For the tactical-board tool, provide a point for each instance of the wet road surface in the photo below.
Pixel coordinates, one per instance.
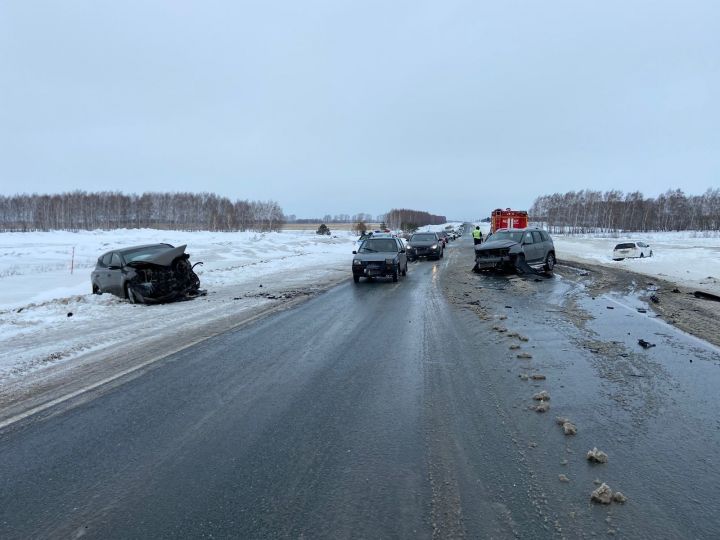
(389, 410)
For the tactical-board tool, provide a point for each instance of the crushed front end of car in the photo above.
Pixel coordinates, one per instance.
(167, 277)
(501, 255)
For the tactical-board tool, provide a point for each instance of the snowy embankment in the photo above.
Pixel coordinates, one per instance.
(48, 315)
(687, 258)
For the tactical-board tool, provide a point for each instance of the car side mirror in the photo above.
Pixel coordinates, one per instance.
(354, 252)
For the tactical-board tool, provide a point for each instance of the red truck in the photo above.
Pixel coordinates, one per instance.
(508, 219)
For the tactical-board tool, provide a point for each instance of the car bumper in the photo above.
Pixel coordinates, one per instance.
(426, 252)
(487, 263)
(374, 271)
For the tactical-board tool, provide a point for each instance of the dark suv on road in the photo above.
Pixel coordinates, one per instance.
(380, 257)
(426, 244)
(516, 249)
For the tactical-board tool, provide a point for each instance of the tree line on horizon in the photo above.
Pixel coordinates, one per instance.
(588, 211)
(80, 210)
(409, 220)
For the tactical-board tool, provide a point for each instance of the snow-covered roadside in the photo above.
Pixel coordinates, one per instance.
(38, 293)
(687, 258)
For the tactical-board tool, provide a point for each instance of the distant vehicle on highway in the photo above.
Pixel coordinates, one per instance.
(444, 237)
(147, 274)
(380, 257)
(516, 249)
(628, 250)
(425, 244)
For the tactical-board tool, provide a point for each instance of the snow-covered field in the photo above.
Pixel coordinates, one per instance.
(38, 290)
(687, 258)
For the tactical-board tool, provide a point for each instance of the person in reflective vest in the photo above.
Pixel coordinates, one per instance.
(477, 235)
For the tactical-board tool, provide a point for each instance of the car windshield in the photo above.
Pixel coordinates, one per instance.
(507, 235)
(378, 245)
(422, 238)
(625, 246)
(143, 254)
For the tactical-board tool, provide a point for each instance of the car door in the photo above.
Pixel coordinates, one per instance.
(115, 283)
(540, 246)
(529, 247)
(402, 255)
(101, 274)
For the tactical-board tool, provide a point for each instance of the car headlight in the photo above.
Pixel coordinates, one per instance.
(357, 262)
(434, 246)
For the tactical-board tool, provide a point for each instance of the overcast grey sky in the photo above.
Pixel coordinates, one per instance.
(455, 107)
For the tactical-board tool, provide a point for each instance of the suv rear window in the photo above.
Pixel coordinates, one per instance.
(625, 246)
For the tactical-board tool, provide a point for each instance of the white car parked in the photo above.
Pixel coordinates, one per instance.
(628, 250)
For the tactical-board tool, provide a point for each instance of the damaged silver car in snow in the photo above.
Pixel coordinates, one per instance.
(149, 274)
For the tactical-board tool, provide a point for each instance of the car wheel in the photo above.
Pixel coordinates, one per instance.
(651, 252)
(395, 275)
(642, 255)
(520, 263)
(356, 279)
(442, 254)
(550, 263)
(404, 272)
(96, 289)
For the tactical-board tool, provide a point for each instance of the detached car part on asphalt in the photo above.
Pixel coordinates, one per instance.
(380, 257)
(522, 250)
(150, 274)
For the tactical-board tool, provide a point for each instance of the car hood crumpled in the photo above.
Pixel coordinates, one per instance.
(496, 244)
(164, 258)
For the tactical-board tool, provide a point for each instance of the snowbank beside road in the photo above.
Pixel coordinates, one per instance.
(38, 293)
(35, 267)
(687, 258)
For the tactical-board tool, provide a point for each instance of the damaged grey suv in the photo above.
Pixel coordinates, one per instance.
(149, 274)
(521, 250)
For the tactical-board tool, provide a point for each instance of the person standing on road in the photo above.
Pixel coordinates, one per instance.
(477, 235)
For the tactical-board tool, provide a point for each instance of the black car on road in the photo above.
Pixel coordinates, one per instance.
(147, 274)
(425, 244)
(380, 257)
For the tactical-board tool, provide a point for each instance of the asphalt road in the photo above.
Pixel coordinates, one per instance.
(383, 410)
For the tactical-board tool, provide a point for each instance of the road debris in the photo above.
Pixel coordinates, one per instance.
(597, 456)
(706, 296)
(524, 356)
(618, 497)
(542, 407)
(541, 396)
(642, 310)
(514, 347)
(602, 495)
(645, 344)
(537, 377)
(563, 478)
(654, 299)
